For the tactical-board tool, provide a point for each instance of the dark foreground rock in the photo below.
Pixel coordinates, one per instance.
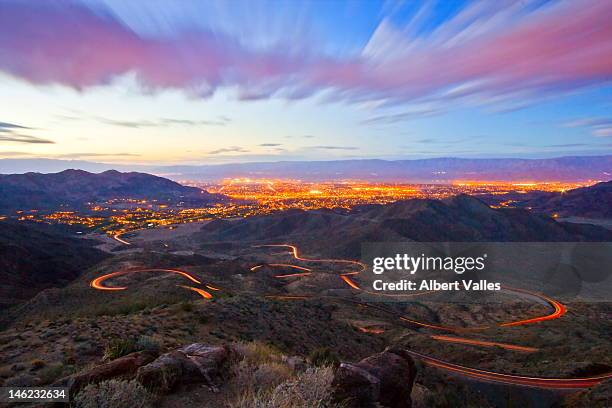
(385, 378)
(125, 366)
(195, 363)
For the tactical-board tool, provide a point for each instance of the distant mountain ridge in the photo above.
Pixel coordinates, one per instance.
(439, 170)
(77, 187)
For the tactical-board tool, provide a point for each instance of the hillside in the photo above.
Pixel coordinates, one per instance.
(460, 218)
(36, 256)
(74, 188)
(588, 202)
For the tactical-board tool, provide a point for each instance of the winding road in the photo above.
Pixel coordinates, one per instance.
(204, 290)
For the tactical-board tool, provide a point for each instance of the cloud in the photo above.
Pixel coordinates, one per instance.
(334, 147)
(400, 117)
(163, 122)
(568, 145)
(6, 127)
(270, 144)
(489, 52)
(77, 155)
(300, 137)
(601, 127)
(17, 138)
(232, 149)
(14, 154)
(9, 133)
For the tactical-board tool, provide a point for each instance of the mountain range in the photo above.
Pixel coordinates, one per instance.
(74, 188)
(457, 219)
(438, 170)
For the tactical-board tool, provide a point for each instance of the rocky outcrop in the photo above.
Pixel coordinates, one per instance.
(195, 363)
(385, 379)
(122, 366)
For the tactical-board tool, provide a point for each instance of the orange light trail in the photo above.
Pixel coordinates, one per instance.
(199, 291)
(349, 282)
(462, 340)
(97, 283)
(292, 275)
(295, 253)
(370, 330)
(539, 382)
(560, 309)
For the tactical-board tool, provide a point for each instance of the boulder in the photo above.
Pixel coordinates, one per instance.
(122, 366)
(195, 363)
(383, 379)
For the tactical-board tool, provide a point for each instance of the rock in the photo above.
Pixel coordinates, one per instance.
(122, 366)
(385, 379)
(195, 363)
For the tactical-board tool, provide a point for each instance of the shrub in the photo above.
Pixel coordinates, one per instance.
(148, 343)
(324, 357)
(309, 390)
(52, 372)
(114, 394)
(37, 364)
(119, 347)
(249, 378)
(187, 307)
(256, 353)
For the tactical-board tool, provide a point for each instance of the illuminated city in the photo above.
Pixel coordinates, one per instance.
(252, 197)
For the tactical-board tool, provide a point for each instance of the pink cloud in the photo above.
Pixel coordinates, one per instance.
(559, 49)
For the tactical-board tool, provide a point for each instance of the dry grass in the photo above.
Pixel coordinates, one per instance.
(114, 394)
(256, 353)
(305, 390)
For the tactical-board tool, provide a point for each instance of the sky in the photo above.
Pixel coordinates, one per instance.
(205, 82)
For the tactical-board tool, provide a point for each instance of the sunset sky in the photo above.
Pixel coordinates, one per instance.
(227, 81)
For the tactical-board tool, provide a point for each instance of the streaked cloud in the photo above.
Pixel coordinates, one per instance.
(488, 53)
(327, 147)
(232, 149)
(10, 132)
(163, 122)
(85, 155)
(598, 126)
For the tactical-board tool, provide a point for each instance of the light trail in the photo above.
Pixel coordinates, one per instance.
(349, 282)
(370, 330)
(117, 237)
(560, 309)
(538, 382)
(344, 276)
(295, 253)
(98, 283)
(199, 291)
(473, 342)
(292, 275)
